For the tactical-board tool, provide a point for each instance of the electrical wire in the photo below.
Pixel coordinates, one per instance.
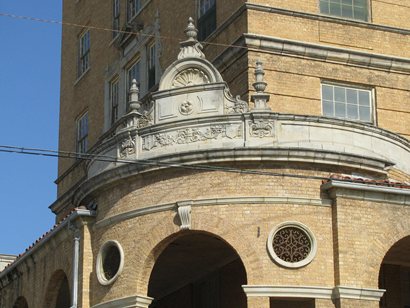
(149, 162)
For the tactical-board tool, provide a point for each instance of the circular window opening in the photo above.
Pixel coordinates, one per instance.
(291, 244)
(110, 261)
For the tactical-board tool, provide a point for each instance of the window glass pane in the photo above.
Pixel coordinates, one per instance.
(328, 109)
(351, 96)
(360, 13)
(347, 11)
(364, 98)
(133, 73)
(334, 9)
(327, 92)
(340, 94)
(349, 2)
(352, 112)
(364, 114)
(324, 7)
(340, 110)
(361, 3)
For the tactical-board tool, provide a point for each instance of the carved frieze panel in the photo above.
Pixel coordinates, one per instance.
(261, 128)
(192, 135)
(127, 147)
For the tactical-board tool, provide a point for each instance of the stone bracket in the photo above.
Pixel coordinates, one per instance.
(184, 213)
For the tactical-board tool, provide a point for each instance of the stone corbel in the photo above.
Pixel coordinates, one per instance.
(184, 213)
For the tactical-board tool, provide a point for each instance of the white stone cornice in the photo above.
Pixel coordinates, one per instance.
(314, 292)
(136, 301)
(358, 293)
(288, 291)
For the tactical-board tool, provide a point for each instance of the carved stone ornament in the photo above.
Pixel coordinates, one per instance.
(186, 108)
(190, 77)
(261, 128)
(234, 105)
(127, 147)
(184, 213)
(191, 48)
(145, 120)
(191, 135)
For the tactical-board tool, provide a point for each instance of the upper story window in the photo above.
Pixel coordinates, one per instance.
(151, 58)
(346, 102)
(114, 99)
(133, 8)
(84, 52)
(82, 133)
(207, 18)
(115, 17)
(353, 9)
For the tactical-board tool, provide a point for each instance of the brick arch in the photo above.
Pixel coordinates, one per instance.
(20, 302)
(206, 224)
(57, 280)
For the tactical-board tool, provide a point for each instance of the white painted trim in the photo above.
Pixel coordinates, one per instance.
(297, 225)
(313, 292)
(99, 263)
(136, 301)
(211, 202)
(358, 293)
(288, 291)
(366, 187)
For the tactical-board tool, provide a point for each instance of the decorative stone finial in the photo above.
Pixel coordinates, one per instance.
(260, 99)
(191, 48)
(134, 102)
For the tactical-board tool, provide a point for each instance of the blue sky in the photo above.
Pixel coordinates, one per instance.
(29, 100)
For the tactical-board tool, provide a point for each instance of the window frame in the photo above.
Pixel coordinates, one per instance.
(114, 97)
(206, 19)
(367, 10)
(116, 15)
(151, 64)
(82, 131)
(133, 8)
(354, 87)
(84, 52)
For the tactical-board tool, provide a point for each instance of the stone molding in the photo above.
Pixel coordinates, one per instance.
(368, 192)
(136, 301)
(209, 202)
(337, 292)
(358, 293)
(325, 53)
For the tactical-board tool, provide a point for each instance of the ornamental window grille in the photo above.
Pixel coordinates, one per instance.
(84, 52)
(207, 18)
(347, 102)
(352, 9)
(115, 17)
(291, 244)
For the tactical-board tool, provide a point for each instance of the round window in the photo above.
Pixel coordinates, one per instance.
(110, 261)
(291, 244)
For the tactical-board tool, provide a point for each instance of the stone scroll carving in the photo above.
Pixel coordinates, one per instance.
(192, 135)
(127, 147)
(261, 128)
(190, 77)
(184, 213)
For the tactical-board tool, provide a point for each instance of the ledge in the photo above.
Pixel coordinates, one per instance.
(137, 301)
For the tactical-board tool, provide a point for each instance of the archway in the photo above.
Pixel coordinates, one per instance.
(394, 275)
(198, 270)
(20, 303)
(58, 291)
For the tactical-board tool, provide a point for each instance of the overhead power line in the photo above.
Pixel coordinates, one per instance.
(148, 162)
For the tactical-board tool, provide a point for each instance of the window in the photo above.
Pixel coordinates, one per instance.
(82, 133)
(207, 18)
(133, 8)
(151, 56)
(133, 72)
(347, 102)
(353, 9)
(84, 53)
(115, 17)
(114, 98)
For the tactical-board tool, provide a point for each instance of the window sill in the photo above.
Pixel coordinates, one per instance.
(81, 76)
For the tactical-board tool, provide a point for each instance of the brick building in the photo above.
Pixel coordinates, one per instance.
(293, 191)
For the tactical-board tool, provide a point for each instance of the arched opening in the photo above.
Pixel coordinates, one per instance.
(198, 270)
(58, 291)
(394, 275)
(20, 303)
